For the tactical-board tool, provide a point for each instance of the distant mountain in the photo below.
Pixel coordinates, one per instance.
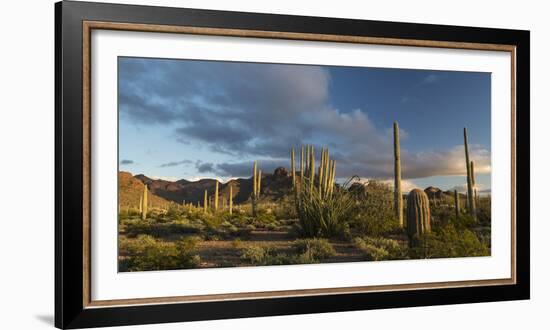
(273, 187)
(131, 190)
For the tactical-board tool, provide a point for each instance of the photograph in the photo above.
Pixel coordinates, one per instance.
(237, 164)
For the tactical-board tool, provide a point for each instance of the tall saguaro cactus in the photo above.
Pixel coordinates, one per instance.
(457, 205)
(418, 213)
(216, 196)
(311, 167)
(144, 203)
(256, 185)
(469, 180)
(302, 165)
(398, 196)
(205, 203)
(293, 165)
(230, 199)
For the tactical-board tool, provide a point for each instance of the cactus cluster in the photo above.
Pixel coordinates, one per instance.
(323, 176)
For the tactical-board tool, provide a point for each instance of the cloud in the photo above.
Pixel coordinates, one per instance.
(258, 111)
(429, 79)
(126, 162)
(204, 167)
(176, 163)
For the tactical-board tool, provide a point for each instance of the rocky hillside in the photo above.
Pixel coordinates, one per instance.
(131, 189)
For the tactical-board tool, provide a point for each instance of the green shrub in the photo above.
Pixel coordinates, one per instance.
(447, 242)
(323, 216)
(316, 248)
(374, 214)
(378, 248)
(265, 218)
(145, 253)
(160, 229)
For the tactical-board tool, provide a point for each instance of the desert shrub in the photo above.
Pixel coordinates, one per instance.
(271, 226)
(484, 211)
(314, 249)
(304, 252)
(448, 241)
(323, 216)
(375, 215)
(265, 218)
(378, 248)
(160, 229)
(146, 253)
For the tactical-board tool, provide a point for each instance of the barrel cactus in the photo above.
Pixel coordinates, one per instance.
(418, 213)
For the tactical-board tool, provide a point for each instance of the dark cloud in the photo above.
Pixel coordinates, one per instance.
(126, 162)
(172, 164)
(205, 167)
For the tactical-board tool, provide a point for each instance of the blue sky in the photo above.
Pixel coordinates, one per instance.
(193, 119)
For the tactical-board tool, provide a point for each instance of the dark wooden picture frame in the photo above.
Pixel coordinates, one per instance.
(73, 24)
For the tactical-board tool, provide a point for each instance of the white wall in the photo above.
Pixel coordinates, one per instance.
(26, 165)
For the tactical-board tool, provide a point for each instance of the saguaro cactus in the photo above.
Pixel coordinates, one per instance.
(140, 203)
(256, 185)
(293, 166)
(457, 205)
(418, 213)
(302, 165)
(398, 196)
(311, 167)
(205, 203)
(144, 203)
(216, 195)
(230, 199)
(469, 180)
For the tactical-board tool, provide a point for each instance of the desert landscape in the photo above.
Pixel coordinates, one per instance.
(298, 214)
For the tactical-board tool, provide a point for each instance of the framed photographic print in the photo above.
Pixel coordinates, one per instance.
(215, 164)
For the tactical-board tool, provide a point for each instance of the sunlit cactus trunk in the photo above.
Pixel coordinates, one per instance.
(311, 167)
(256, 185)
(293, 166)
(418, 213)
(469, 179)
(398, 196)
(302, 165)
(230, 199)
(140, 203)
(205, 203)
(216, 192)
(144, 203)
(457, 205)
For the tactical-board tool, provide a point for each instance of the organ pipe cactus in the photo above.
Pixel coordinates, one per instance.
(418, 213)
(144, 203)
(469, 180)
(398, 196)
